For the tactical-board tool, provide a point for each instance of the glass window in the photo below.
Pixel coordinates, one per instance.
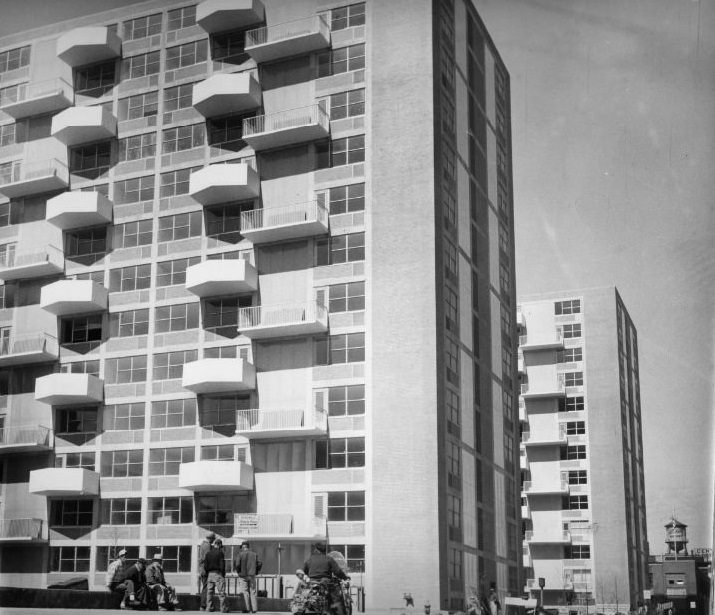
(227, 133)
(122, 464)
(340, 453)
(86, 242)
(170, 273)
(124, 417)
(578, 477)
(221, 411)
(571, 306)
(71, 513)
(135, 277)
(141, 105)
(81, 329)
(340, 249)
(341, 60)
(183, 138)
(220, 313)
(347, 16)
(346, 348)
(7, 132)
(224, 221)
(347, 104)
(106, 555)
(84, 460)
(137, 147)
(573, 452)
(345, 199)
(346, 400)
(180, 226)
(121, 511)
(574, 404)
(175, 183)
(74, 420)
(575, 428)
(141, 27)
(173, 413)
(129, 323)
(95, 80)
(182, 18)
(354, 556)
(348, 297)
(570, 355)
(218, 509)
(219, 452)
(132, 234)
(81, 367)
(140, 66)
(125, 369)
(179, 317)
(14, 59)
(134, 190)
(170, 511)
(577, 502)
(186, 54)
(573, 379)
(346, 506)
(93, 158)
(347, 150)
(170, 365)
(166, 461)
(69, 559)
(577, 551)
(174, 559)
(228, 47)
(178, 97)
(572, 330)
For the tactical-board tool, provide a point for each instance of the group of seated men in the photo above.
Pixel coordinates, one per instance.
(141, 585)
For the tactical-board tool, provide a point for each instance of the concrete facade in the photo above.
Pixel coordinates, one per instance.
(351, 378)
(583, 500)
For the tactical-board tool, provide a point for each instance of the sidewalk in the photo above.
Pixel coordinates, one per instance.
(17, 611)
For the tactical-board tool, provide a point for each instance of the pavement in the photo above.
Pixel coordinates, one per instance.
(5, 610)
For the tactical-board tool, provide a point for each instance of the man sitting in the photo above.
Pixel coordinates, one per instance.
(163, 593)
(134, 585)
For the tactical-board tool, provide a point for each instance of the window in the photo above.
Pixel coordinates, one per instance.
(451, 310)
(134, 190)
(174, 559)
(176, 317)
(347, 104)
(186, 55)
(169, 511)
(577, 451)
(173, 413)
(7, 132)
(178, 97)
(223, 313)
(14, 59)
(142, 27)
(340, 453)
(141, 105)
(72, 420)
(125, 369)
(81, 367)
(572, 306)
(341, 60)
(575, 428)
(183, 138)
(7, 295)
(354, 556)
(166, 461)
(571, 404)
(347, 297)
(577, 552)
(175, 183)
(122, 464)
(347, 16)
(570, 355)
(346, 506)
(170, 365)
(228, 47)
(106, 555)
(141, 65)
(124, 417)
(86, 242)
(227, 133)
(346, 400)
(95, 80)
(340, 249)
(134, 277)
(578, 477)
(219, 452)
(346, 199)
(454, 460)
(91, 160)
(346, 348)
(137, 147)
(132, 234)
(169, 273)
(180, 226)
(81, 330)
(455, 563)
(76, 460)
(221, 411)
(182, 18)
(454, 511)
(217, 509)
(572, 330)
(129, 323)
(450, 261)
(121, 511)
(71, 513)
(69, 559)
(347, 150)
(573, 379)
(224, 221)
(451, 358)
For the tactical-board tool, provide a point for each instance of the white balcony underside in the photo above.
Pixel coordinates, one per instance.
(71, 210)
(297, 230)
(200, 476)
(47, 101)
(224, 15)
(214, 278)
(223, 94)
(28, 349)
(66, 297)
(285, 137)
(58, 482)
(219, 376)
(78, 125)
(298, 43)
(88, 45)
(66, 389)
(222, 183)
(47, 181)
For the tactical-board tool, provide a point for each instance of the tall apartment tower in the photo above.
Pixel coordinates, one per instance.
(583, 498)
(258, 279)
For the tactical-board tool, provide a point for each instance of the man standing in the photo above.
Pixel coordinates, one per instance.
(164, 594)
(204, 548)
(135, 588)
(247, 565)
(322, 567)
(115, 574)
(215, 565)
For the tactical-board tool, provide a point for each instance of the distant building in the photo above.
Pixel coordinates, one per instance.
(583, 501)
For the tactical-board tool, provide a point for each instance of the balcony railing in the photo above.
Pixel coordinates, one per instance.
(48, 174)
(286, 127)
(290, 221)
(31, 344)
(25, 435)
(286, 39)
(28, 99)
(528, 487)
(563, 536)
(539, 341)
(20, 529)
(17, 264)
(288, 319)
(547, 388)
(262, 524)
(274, 422)
(527, 437)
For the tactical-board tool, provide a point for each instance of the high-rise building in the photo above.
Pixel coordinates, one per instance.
(583, 499)
(258, 279)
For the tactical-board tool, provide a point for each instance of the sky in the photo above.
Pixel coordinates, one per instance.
(613, 128)
(613, 134)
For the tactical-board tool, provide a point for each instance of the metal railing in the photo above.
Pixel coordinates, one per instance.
(28, 91)
(11, 259)
(259, 420)
(264, 524)
(25, 434)
(24, 344)
(280, 315)
(24, 171)
(557, 339)
(283, 216)
(562, 536)
(560, 385)
(527, 437)
(21, 528)
(528, 487)
(288, 29)
(285, 120)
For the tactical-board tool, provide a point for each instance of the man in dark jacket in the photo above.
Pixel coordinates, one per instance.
(204, 548)
(135, 588)
(163, 593)
(215, 565)
(247, 565)
(321, 567)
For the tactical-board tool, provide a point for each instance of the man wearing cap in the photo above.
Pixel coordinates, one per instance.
(115, 573)
(204, 548)
(163, 593)
(247, 565)
(135, 592)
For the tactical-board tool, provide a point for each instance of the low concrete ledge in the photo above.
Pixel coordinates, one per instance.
(23, 597)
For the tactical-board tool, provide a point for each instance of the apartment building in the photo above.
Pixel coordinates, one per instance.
(583, 500)
(257, 265)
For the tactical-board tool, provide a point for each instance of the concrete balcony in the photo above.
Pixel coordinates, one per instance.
(66, 297)
(65, 389)
(525, 511)
(286, 127)
(557, 538)
(71, 210)
(520, 321)
(201, 476)
(522, 410)
(270, 321)
(544, 388)
(258, 423)
(281, 223)
(25, 439)
(40, 98)
(28, 349)
(545, 439)
(551, 341)
(558, 488)
(222, 183)
(222, 94)
(288, 39)
(19, 265)
(223, 15)
(28, 178)
(215, 278)
(78, 125)
(60, 482)
(88, 45)
(219, 376)
(19, 531)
